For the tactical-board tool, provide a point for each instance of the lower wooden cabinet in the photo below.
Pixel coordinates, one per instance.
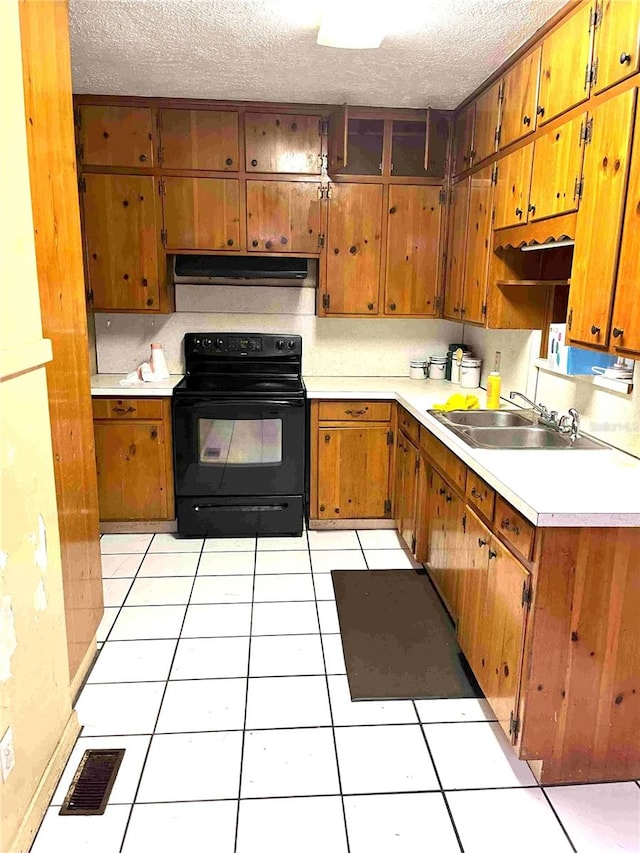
(134, 459)
(406, 483)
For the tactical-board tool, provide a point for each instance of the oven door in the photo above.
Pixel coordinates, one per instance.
(238, 447)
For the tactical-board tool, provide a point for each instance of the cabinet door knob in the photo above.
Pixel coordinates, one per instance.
(442, 491)
(492, 554)
(142, 158)
(540, 111)
(519, 212)
(618, 333)
(476, 494)
(353, 250)
(284, 241)
(255, 243)
(526, 120)
(532, 209)
(595, 330)
(625, 58)
(392, 306)
(482, 542)
(392, 210)
(254, 162)
(370, 306)
(448, 499)
(229, 242)
(229, 161)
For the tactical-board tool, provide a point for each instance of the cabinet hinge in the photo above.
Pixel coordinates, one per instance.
(589, 75)
(328, 192)
(493, 215)
(77, 117)
(390, 437)
(501, 91)
(387, 507)
(321, 241)
(526, 594)
(163, 237)
(160, 154)
(570, 319)
(577, 189)
(413, 543)
(90, 297)
(82, 184)
(498, 134)
(484, 309)
(161, 187)
(595, 16)
(438, 300)
(326, 299)
(443, 196)
(79, 152)
(494, 174)
(321, 191)
(417, 465)
(464, 523)
(514, 725)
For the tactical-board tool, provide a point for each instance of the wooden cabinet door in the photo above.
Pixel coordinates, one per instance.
(478, 247)
(413, 250)
(557, 168)
(284, 216)
(353, 471)
(421, 551)
(472, 629)
(625, 327)
(595, 255)
(201, 213)
(511, 197)
(199, 139)
(406, 513)
(437, 518)
(283, 143)
(353, 248)
(565, 66)
(519, 100)
(463, 139)
(485, 134)
(115, 136)
(454, 542)
(508, 584)
(133, 480)
(616, 42)
(458, 215)
(121, 240)
(337, 140)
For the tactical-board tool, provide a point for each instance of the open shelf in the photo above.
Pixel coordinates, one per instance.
(616, 386)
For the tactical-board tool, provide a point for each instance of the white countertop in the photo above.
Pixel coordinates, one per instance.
(552, 488)
(108, 385)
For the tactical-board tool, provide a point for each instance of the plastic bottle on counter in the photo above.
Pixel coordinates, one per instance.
(493, 385)
(158, 362)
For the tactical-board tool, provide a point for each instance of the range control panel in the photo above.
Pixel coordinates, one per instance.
(238, 345)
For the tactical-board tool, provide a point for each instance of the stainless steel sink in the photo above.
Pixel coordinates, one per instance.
(507, 430)
(486, 418)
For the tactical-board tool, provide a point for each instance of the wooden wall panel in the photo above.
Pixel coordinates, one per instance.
(49, 113)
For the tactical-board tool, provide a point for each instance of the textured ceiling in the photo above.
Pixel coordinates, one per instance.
(437, 51)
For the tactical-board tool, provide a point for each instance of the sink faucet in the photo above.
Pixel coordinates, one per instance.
(570, 424)
(545, 416)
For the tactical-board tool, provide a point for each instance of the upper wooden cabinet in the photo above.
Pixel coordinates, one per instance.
(566, 66)
(284, 216)
(463, 139)
(201, 213)
(487, 118)
(625, 326)
(353, 249)
(413, 253)
(115, 136)
(279, 142)
(511, 197)
(199, 139)
(477, 247)
(519, 99)
(121, 242)
(557, 169)
(456, 250)
(616, 42)
(606, 165)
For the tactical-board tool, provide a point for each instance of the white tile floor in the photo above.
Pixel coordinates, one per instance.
(222, 676)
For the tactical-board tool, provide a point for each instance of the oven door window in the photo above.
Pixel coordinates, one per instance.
(235, 443)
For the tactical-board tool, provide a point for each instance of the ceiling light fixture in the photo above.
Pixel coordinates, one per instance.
(352, 24)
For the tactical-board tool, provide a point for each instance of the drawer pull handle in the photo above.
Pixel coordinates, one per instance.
(505, 524)
(356, 412)
(120, 410)
(442, 491)
(476, 494)
(492, 554)
(448, 499)
(526, 120)
(482, 542)
(327, 438)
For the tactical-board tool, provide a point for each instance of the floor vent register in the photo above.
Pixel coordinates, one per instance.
(91, 787)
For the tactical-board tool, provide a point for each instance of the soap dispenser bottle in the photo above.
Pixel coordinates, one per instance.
(493, 385)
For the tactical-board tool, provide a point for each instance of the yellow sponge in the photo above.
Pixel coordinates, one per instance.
(458, 401)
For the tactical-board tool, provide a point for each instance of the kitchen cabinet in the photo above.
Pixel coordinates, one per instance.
(606, 166)
(616, 42)
(351, 460)
(456, 250)
(121, 242)
(199, 139)
(201, 213)
(353, 249)
(557, 169)
(625, 325)
(413, 250)
(116, 136)
(407, 466)
(565, 69)
(419, 148)
(446, 539)
(511, 198)
(519, 100)
(477, 247)
(284, 216)
(463, 139)
(279, 142)
(487, 119)
(134, 458)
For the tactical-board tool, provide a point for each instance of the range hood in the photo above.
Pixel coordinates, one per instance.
(244, 270)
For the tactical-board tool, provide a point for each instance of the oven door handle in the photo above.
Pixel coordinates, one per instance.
(238, 401)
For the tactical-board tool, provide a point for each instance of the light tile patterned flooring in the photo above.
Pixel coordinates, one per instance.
(222, 675)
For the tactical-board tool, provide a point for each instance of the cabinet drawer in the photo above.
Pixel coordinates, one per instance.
(514, 527)
(444, 459)
(479, 495)
(354, 410)
(409, 425)
(109, 408)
